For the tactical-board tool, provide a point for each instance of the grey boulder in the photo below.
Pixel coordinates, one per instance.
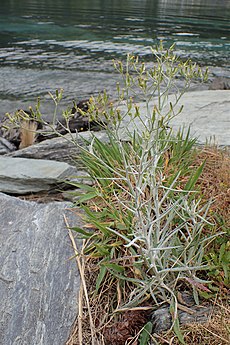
(207, 113)
(39, 281)
(21, 176)
(65, 148)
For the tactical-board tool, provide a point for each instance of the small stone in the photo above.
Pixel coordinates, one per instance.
(6, 146)
(162, 319)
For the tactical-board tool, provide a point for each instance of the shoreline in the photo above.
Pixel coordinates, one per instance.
(77, 85)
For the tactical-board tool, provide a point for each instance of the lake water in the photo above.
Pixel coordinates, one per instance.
(49, 44)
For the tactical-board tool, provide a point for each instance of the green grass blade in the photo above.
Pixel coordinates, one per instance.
(176, 324)
(87, 197)
(145, 333)
(114, 267)
(82, 232)
(193, 179)
(100, 277)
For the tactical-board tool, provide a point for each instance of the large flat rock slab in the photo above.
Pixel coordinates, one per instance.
(206, 112)
(21, 176)
(65, 148)
(39, 282)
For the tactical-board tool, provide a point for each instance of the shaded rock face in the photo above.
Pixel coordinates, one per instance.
(220, 83)
(38, 281)
(6, 146)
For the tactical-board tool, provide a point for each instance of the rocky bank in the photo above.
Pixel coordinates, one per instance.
(38, 280)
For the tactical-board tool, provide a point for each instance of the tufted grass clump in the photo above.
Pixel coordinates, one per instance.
(147, 218)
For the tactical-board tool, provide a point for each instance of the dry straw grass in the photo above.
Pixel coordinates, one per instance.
(215, 180)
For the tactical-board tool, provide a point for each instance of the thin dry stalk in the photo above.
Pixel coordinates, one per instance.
(80, 314)
(81, 267)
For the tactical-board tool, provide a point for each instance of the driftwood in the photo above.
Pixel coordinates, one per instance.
(22, 133)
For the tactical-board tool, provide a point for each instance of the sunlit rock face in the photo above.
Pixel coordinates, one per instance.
(38, 281)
